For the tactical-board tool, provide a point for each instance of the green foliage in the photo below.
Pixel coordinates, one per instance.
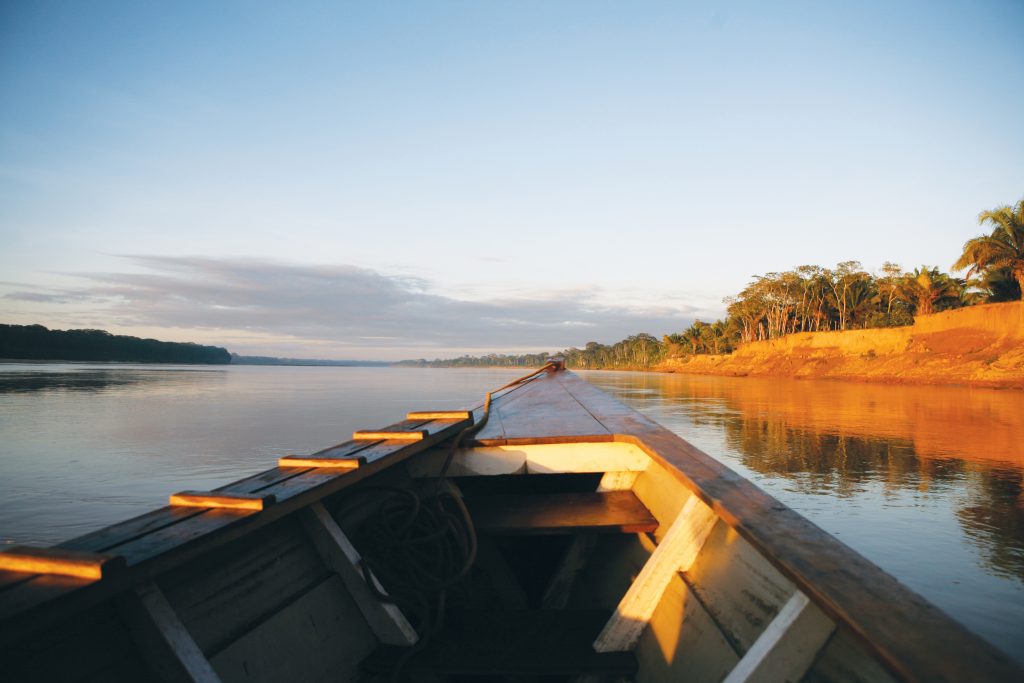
(35, 342)
(1001, 251)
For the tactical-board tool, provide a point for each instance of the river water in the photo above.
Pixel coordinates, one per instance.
(924, 481)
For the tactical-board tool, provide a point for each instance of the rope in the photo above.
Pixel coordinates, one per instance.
(422, 547)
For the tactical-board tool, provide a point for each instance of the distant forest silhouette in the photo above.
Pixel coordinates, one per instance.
(35, 342)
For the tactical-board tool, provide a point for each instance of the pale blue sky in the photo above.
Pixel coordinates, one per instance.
(405, 179)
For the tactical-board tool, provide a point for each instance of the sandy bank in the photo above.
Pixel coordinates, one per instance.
(979, 346)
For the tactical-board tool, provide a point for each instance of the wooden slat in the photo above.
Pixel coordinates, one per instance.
(185, 534)
(786, 649)
(221, 594)
(169, 647)
(384, 618)
(512, 643)
(219, 500)
(312, 461)
(60, 561)
(440, 415)
(369, 435)
(319, 637)
(741, 589)
(112, 536)
(676, 553)
(608, 512)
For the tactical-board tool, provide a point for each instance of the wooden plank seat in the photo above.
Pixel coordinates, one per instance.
(560, 513)
(511, 643)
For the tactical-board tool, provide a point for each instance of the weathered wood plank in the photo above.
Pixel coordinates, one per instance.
(41, 588)
(440, 415)
(110, 537)
(220, 595)
(844, 660)
(739, 588)
(370, 435)
(221, 500)
(319, 637)
(676, 553)
(786, 649)
(184, 533)
(549, 412)
(172, 654)
(609, 512)
(384, 618)
(309, 461)
(682, 643)
(60, 561)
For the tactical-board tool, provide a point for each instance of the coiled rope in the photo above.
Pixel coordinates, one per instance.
(422, 546)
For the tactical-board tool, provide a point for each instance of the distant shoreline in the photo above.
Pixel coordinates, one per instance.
(981, 346)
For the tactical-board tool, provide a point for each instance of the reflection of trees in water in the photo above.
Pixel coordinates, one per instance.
(905, 438)
(81, 380)
(994, 519)
(836, 462)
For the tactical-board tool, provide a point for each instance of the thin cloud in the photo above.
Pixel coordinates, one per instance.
(349, 305)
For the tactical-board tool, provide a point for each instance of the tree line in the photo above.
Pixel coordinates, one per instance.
(35, 342)
(813, 298)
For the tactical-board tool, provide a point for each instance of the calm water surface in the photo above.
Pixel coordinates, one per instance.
(925, 481)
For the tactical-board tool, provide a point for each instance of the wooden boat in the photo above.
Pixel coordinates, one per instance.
(553, 533)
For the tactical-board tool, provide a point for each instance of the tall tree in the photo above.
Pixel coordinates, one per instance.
(1001, 250)
(929, 290)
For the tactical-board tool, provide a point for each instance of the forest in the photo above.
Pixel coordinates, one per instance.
(35, 342)
(812, 298)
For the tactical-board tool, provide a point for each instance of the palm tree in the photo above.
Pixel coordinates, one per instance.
(926, 289)
(1003, 249)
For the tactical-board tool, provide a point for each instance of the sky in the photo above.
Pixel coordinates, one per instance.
(389, 180)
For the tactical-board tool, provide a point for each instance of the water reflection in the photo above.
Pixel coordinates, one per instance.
(928, 482)
(24, 378)
(836, 437)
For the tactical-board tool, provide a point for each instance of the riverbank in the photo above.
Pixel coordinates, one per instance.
(977, 346)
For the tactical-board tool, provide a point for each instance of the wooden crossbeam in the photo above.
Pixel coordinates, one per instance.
(787, 648)
(384, 618)
(676, 552)
(440, 415)
(560, 513)
(164, 641)
(83, 565)
(352, 463)
(369, 435)
(219, 499)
